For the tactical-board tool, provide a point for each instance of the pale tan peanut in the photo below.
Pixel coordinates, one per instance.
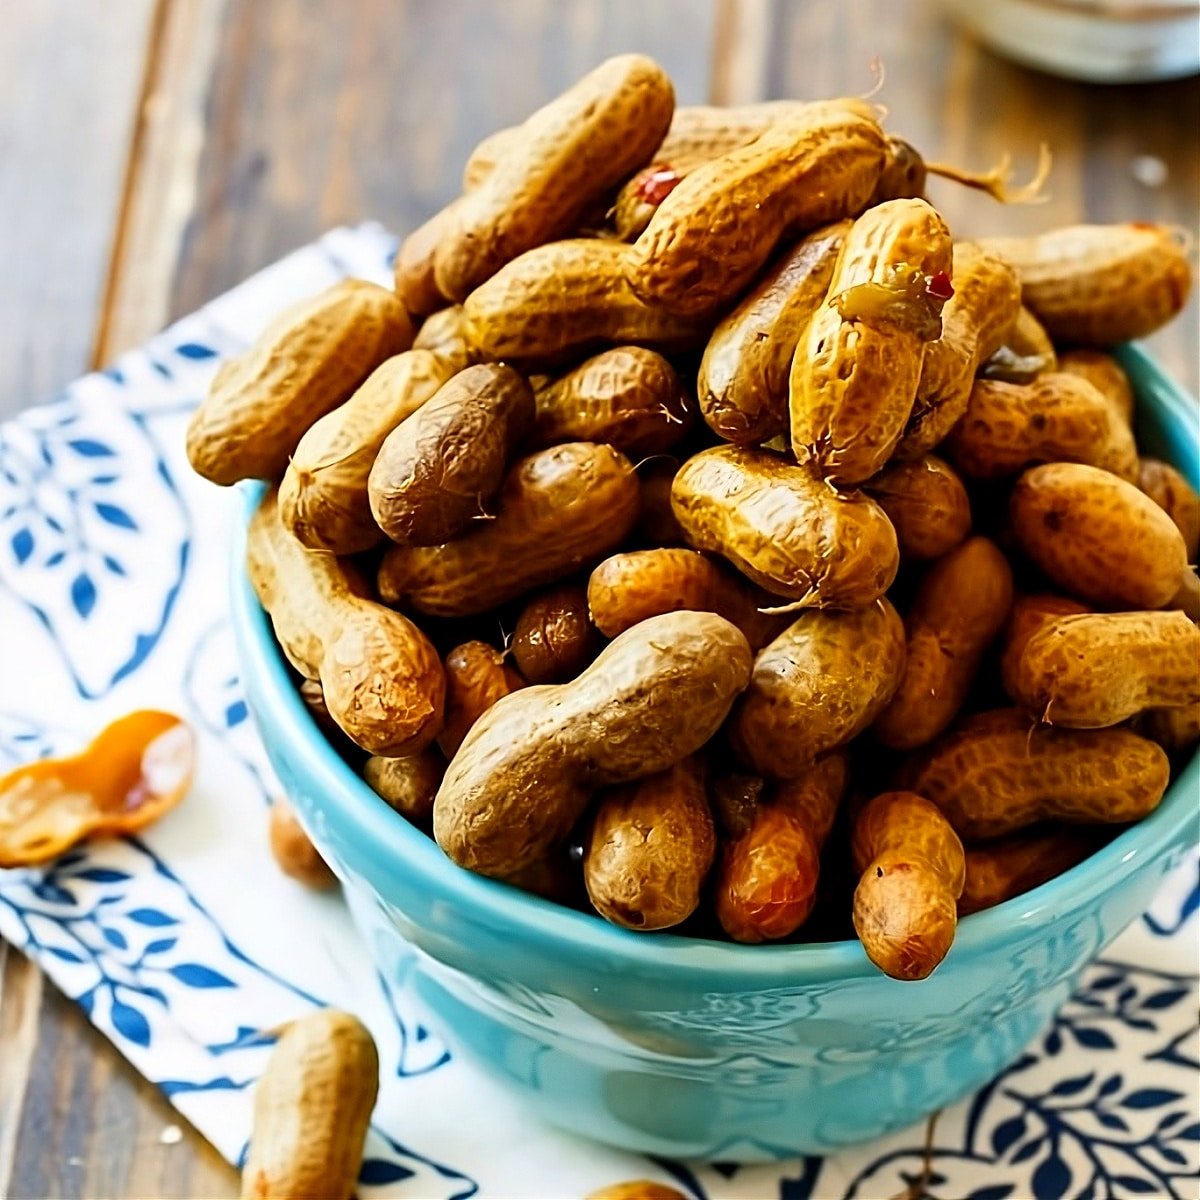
(554, 638)
(1168, 488)
(743, 382)
(999, 772)
(657, 525)
(960, 607)
(568, 297)
(440, 468)
(697, 134)
(1029, 613)
(714, 231)
(1097, 285)
(649, 848)
(637, 1189)
(1091, 670)
(629, 587)
(526, 772)
(557, 510)
(1105, 374)
(416, 284)
(476, 677)
(407, 784)
(309, 360)
(312, 1107)
(856, 371)
(381, 678)
(817, 686)
(292, 849)
(767, 882)
(323, 497)
(569, 153)
(628, 397)
(975, 319)
(444, 334)
(1174, 729)
(926, 503)
(696, 137)
(1055, 418)
(911, 868)
(998, 871)
(1025, 353)
(1097, 536)
(785, 529)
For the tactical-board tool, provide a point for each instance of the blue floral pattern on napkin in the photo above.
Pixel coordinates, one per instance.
(188, 950)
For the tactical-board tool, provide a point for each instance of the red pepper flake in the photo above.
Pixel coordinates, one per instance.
(939, 286)
(657, 184)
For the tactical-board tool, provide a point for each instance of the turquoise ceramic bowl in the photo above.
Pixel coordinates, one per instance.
(691, 1048)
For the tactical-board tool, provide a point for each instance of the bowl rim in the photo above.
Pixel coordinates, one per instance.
(364, 819)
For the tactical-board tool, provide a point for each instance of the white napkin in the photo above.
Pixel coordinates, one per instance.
(182, 945)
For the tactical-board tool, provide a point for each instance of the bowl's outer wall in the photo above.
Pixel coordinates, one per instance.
(693, 1048)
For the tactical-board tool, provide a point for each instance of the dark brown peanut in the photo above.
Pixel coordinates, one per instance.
(558, 510)
(439, 469)
(554, 639)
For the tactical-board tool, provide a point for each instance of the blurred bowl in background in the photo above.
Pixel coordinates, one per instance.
(1100, 41)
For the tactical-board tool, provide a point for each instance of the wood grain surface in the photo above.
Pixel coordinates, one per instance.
(254, 125)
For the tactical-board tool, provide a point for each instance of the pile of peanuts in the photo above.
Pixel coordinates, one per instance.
(700, 535)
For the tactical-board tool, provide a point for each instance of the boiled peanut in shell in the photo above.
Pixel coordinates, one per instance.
(526, 771)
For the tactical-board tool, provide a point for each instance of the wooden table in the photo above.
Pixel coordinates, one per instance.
(154, 152)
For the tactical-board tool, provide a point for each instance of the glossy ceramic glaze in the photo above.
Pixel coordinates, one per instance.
(694, 1048)
(1102, 41)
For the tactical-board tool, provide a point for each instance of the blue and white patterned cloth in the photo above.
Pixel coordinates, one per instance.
(182, 946)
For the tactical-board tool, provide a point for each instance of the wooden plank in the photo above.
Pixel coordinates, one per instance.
(316, 119)
(20, 997)
(69, 77)
(161, 176)
(91, 1126)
